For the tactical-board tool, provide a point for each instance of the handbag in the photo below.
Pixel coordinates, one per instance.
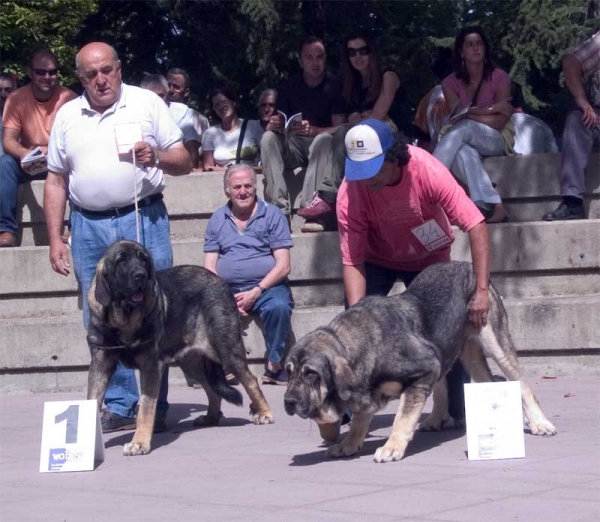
(240, 142)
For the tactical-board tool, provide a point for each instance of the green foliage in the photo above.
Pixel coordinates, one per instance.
(30, 24)
(252, 44)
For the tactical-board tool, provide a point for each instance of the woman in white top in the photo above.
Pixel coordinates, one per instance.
(221, 141)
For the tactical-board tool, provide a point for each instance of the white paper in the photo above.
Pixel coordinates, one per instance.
(494, 420)
(71, 436)
(127, 135)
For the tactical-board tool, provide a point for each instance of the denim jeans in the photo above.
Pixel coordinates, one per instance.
(11, 176)
(462, 149)
(274, 307)
(91, 236)
(379, 282)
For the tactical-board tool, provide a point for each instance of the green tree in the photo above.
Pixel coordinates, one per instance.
(27, 25)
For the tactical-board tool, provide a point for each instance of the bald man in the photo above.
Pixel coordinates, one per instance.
(83, 157)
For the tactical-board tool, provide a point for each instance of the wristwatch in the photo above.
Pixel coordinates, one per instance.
(261, 288)
(156, 158)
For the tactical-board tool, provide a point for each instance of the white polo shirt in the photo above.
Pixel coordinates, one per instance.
(188, 120)
(83, 146)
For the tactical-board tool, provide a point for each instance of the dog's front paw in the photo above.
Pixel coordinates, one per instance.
(263, 417)
(132, 449)
(543, 428)
(388, 453)
(343, 449)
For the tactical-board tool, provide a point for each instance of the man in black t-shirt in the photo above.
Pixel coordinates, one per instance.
(315, 93)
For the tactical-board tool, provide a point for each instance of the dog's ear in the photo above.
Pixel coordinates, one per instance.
(102, 290)
(343, 377)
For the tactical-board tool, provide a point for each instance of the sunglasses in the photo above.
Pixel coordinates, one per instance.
(363, 51)
(44, 72)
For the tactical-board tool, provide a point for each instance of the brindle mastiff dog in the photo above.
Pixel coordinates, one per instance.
(386, 348)
(147, 319)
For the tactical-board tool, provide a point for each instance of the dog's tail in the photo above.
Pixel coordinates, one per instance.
(215, 376)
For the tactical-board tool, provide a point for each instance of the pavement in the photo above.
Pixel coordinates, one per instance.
(238, 471)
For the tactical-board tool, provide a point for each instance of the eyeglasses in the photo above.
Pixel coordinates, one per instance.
(264, 105)
(353, 51)
(44, 72)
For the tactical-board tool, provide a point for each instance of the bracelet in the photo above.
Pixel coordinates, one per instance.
(156, 158)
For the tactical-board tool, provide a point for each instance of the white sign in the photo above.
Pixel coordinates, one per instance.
(431, 235)
(127, 135)
(71, 436)
(494, 420)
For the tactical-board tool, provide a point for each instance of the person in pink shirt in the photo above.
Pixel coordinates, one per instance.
(395, 209)
(479, 86)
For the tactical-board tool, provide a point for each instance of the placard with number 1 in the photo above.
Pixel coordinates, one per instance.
(71, 436)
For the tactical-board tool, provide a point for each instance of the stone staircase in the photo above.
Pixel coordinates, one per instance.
(548, 274)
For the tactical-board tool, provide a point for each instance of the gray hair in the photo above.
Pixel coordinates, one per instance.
(237, 168)
(267, 92)
(150, 81)
(113, 52)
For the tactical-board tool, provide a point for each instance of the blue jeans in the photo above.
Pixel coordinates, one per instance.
(11, 176)
(91, 236)
(379, 282)
(274, 307)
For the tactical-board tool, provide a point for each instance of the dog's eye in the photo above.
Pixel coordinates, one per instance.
(309, 375)
(289, 368)
(122, 256)
(142, 255)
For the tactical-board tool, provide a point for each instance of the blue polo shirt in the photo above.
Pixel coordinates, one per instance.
(246, 257)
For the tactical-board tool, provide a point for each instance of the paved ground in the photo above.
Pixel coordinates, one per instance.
(239, 471)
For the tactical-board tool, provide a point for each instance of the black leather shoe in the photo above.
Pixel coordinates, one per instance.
(564, 213)
(114, 422)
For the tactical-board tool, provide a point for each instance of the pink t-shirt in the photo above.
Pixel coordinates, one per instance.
(405, 226)
(487, 94)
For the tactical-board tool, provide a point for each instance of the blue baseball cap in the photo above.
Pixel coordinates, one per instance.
(366, 145)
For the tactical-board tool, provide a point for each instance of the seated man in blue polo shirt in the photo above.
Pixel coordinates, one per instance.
(247, 243)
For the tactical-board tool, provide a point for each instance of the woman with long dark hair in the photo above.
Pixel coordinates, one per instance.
(368, 92)
(481, 91)
(221, 141)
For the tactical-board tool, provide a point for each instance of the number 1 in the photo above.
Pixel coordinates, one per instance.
(71, 415)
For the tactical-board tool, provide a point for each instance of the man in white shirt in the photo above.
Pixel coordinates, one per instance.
(103, 185)
(182, 114)
(178, 81)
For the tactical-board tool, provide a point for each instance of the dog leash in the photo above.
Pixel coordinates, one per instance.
(137, 215)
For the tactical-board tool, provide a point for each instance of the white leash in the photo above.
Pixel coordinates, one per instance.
(137, 215)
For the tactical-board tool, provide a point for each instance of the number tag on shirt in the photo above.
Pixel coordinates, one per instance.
(431, 235)
(71, 436)
(127, 135)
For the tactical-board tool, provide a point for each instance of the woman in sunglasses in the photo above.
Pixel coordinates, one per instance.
(478, 95)
(232, 140)
(368, 91)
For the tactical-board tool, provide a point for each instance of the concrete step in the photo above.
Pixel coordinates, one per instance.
(331, 293)
(516, 247)
(529, 186)
(537, 325)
